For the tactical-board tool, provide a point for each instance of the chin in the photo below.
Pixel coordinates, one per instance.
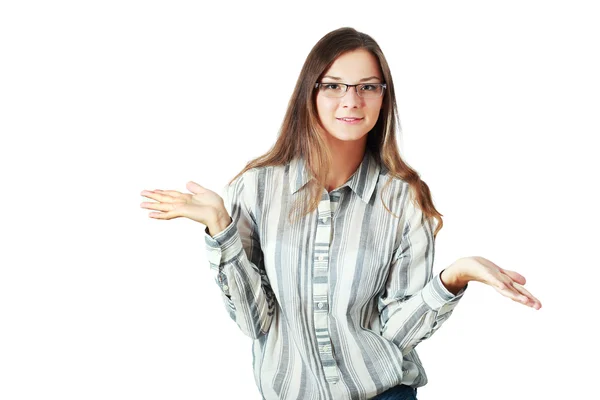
(348, 136)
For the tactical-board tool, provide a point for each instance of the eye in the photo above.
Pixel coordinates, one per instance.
(368, 88)
(331, 86)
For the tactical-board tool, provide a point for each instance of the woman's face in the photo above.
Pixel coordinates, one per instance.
(354, 67)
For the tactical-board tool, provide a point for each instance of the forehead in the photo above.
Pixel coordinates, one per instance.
(355, 65)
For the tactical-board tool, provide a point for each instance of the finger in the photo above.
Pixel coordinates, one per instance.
(158, 206)
(151, 194)
(532, 300)
(505, 287)
(163, 198)
(500, 281)
(512, 294)
(512, 274)
(522, 290)
(163, 215)
(515, 276)
(172, 193)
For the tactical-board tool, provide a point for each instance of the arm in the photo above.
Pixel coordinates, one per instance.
(236, 259)
(415, 304)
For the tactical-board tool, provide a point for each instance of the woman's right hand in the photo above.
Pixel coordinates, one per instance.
(203, 205)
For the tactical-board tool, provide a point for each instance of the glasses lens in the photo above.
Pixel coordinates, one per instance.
(370, 90)
(333, 89)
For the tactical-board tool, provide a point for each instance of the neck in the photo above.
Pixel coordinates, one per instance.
(346, 157)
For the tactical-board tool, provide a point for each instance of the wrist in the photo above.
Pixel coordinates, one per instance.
(219, 223)
(453, 279)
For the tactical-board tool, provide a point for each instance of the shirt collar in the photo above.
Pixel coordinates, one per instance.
(362, 182)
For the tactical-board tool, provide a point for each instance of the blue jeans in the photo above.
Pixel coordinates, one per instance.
(400, 392)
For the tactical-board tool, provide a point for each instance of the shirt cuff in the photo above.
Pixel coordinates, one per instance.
(214, 252)
(224, 246)
(435, 294)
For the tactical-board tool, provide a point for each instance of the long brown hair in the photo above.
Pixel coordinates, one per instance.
(299, 135)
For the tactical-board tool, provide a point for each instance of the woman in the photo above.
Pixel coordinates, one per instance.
(323, 247)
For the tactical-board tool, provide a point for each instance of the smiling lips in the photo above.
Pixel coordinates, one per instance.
(350, 120)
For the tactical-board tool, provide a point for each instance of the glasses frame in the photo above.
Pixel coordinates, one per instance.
(348, 86)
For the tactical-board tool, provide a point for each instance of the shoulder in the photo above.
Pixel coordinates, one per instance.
(399, 196)
(391, 186)
(262, 176)
(258, 173)
(256, 181)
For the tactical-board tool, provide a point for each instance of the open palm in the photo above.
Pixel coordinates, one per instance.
(201, 205)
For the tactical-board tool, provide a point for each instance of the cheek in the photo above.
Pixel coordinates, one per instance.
(374, 112)
(325, 107)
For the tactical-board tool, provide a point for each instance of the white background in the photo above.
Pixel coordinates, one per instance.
(499, 105)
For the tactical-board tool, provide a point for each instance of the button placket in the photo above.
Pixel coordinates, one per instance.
(321, 289)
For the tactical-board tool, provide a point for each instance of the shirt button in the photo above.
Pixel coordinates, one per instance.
(225, 287)
(321, 257)
(320, 305)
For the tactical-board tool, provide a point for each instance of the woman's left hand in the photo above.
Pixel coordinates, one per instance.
(506, 282)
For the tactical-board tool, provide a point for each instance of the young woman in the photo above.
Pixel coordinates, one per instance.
(323, 247)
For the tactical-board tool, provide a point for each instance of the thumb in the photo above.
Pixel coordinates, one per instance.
(194, 187)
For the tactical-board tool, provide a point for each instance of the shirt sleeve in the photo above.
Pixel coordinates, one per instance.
(236, 259)
(414, 304)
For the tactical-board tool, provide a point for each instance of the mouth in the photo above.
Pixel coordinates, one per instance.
(350, 120)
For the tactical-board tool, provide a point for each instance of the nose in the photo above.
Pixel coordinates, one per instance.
(351, 99)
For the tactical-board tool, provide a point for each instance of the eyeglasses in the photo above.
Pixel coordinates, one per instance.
(364, 90)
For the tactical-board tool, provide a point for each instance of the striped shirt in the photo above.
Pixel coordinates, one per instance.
(336, 301)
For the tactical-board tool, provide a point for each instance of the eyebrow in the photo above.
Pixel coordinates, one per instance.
(337, 78)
